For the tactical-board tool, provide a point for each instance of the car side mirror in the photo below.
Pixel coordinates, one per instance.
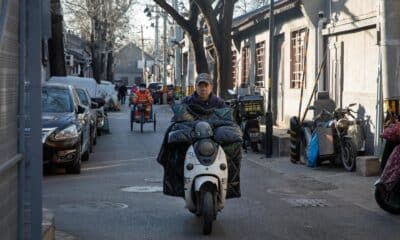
(311, 108)
(100, 101)
(81, 109)
(94, 105)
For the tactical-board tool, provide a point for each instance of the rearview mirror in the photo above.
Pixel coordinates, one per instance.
(100, 101)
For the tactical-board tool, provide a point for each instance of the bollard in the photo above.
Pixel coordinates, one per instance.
(294, 140)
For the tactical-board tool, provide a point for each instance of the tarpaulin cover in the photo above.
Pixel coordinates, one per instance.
(174, 146)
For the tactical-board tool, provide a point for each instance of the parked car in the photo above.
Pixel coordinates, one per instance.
(96, 93)
(85, 100)
(111, 95)
(65, 128)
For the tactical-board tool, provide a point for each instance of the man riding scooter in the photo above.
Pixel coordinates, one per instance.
(201, 153)
(143, 96)
(204, 98)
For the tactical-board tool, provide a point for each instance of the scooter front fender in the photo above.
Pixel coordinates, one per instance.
(200, 181)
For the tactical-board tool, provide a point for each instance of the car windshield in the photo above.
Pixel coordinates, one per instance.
(56, 100)
(83, 97)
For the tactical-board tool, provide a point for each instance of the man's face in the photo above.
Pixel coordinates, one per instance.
(204, 90)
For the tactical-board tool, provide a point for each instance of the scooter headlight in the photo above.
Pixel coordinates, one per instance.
(206, 151)
(206, 148)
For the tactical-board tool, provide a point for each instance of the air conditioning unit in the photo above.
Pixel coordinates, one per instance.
(69, 60)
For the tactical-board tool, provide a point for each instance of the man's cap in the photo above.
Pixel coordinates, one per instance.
(203, 77)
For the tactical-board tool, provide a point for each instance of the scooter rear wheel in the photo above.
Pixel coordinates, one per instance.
(207, 212)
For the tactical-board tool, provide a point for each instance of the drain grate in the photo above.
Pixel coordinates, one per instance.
(307, 203)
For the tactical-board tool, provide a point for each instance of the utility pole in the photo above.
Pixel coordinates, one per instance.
(178, 57)
(145, 80)
(269, 114)
(157, 73)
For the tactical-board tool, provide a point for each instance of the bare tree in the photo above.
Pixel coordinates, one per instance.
(218, 15)
(245, 6)
(193, 27)
(101, 22)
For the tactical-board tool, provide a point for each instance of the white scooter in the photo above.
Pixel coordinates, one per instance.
(206, 176)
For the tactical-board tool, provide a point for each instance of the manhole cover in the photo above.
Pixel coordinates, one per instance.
(307, 202)
(142, 189)
(283, 191)
(153, 180)
(94, 206)
(313, 184)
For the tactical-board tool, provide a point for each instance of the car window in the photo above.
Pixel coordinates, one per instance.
(56, 100)
(83, 97)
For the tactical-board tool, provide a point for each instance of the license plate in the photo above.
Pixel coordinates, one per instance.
(254, 135)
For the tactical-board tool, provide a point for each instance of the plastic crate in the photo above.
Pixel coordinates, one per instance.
(251, 105)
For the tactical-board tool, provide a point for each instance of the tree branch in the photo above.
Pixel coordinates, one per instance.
(211, 18)
(174, 14)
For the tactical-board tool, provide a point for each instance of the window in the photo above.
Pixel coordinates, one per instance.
(245, 65)
(297, 64)
(260, 63)
(234, 67)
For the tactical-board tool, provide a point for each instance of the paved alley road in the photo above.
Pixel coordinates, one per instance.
(93, 205)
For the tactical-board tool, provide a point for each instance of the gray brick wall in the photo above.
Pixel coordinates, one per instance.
(8, 123)
(8, 205)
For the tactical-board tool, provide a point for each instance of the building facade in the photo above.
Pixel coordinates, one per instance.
(340, 38)
(129, 67)
(77, 56)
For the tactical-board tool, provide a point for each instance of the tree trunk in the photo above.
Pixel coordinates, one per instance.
(200, 55)
(56, 44)
(96, 64)
(224, 67)
(110, 70)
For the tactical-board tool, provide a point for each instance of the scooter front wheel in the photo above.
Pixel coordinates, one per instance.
(207, 212)
(386, 200)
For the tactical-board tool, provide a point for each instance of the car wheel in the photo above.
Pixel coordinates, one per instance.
(75, 166)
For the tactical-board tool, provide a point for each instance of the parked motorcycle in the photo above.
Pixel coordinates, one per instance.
(205, 175)
(340, 136)
(248, 111)
(387, 187)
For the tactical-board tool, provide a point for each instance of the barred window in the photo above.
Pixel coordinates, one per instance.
(260, 64)
(234, 67)
(297, 64)
(245, 65)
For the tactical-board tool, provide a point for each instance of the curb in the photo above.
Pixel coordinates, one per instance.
(48, 226)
